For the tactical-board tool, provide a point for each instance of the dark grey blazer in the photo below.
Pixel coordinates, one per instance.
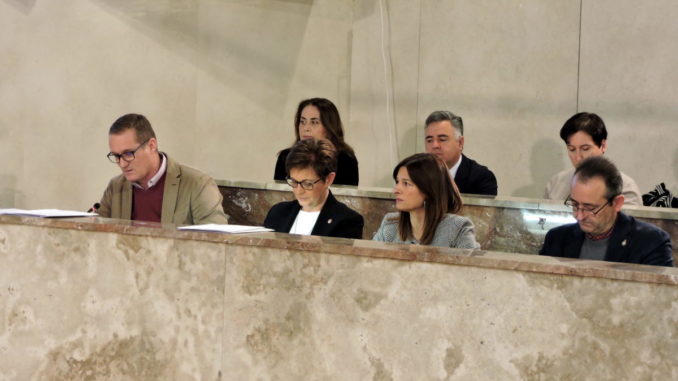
(452, 231)
(632, 241)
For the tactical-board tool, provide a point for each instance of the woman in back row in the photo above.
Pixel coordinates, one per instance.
(318, 118)
(428, 204)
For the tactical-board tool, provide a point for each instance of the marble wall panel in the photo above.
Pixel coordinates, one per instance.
(250, 206)
(297, 315)
(80, 305)
(104, 299)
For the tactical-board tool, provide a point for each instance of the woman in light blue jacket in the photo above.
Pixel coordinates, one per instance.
(428, 204)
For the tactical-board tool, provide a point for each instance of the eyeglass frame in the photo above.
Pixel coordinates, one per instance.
(117, 156)
(294, 183)
(594, 212)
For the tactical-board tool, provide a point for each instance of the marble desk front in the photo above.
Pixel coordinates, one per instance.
(99, 299)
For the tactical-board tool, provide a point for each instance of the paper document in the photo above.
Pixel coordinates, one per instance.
(227, 228)
(46, 213)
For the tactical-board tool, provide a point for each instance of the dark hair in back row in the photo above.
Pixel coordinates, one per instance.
(329, 117)
(311, 153)
(138, 122)
(599, 166)
(429, 173)
(587, 122)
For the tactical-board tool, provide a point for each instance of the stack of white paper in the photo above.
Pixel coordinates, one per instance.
(227, 228)
(46, 213)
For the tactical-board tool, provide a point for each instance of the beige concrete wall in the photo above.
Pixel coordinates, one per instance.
(220, 80)
(510, 70)
(628, 74)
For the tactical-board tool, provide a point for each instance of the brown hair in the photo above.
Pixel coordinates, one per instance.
(311, 153)
(429, 173)
(138, 122)
(598, 166)
(587, 122)
(329, 117)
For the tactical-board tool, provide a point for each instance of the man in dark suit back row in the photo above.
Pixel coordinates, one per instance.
(602, 231)
(444, 133)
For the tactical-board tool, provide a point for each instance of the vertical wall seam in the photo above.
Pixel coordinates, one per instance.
(387, 60)
(416, 113)
(581, 6)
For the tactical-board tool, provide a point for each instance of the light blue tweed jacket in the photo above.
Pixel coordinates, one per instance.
(452, 231)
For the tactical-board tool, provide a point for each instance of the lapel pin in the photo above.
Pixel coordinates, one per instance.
(329, 221)
(624, 243)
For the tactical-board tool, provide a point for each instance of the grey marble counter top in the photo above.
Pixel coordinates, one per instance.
(499, 201)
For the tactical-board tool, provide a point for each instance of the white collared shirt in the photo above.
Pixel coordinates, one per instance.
(455, 168)
(304, 223)
(154, 180)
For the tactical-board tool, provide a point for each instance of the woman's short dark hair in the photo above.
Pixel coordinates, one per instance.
(138, 122)
(599, 166)
(429, 173)
(329, 117)
(319, 155)
(587, 122)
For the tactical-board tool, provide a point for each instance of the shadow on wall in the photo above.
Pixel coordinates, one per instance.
(23, 6)
(380, 169)
(364, 9)
(252, 48)
(406, 147)
(671, 183)
(8, 191)
(544, 153)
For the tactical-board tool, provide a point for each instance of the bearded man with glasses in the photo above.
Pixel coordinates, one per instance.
(152, 186)
(602, 230)
(311, 167)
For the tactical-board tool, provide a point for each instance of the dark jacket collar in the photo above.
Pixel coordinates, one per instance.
(325, 212)
(464, 168)
(616, 246)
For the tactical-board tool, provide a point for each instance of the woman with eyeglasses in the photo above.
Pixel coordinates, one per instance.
(428, 204)
(318, 118)
(311, 168)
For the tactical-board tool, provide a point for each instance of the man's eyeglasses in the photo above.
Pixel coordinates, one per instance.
(305, 184)
(586, 210)
(127, 155)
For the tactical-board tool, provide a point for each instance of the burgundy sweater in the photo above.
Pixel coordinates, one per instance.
(147, 204)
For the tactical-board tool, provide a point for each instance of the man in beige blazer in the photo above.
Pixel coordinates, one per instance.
(152, 186)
